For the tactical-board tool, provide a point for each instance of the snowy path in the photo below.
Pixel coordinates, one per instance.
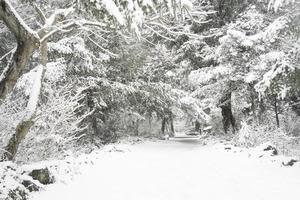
(171, 170)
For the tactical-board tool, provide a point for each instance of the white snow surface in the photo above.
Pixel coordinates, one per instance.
(180, 170)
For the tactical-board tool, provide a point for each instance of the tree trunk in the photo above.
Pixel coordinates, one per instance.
(16, 67)
(253, 97)
(19, 62)
(276, 110)
(197, 126)
(27, 42)
(163, 126)
(228, 118)
(172, 126)
(261, 111)
(26, 123)
(13, 144)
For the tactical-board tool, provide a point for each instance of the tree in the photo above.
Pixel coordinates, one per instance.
(95, 18)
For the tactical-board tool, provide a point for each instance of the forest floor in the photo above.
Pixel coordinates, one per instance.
(179, 169)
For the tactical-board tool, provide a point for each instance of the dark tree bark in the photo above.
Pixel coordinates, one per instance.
(16, 67)
(253, 97)
(197, 126)
(27, 43)
(276, 110)
(167, 121)
(172, 125)
(13, 144)
(228, 118)
(163, 125)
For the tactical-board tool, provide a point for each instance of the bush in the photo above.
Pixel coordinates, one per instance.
(251, 135)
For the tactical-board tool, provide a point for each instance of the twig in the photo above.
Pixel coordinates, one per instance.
(167, 38)
(5, 55)
(103, 49)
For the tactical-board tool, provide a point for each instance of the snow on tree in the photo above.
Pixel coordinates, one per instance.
(277, 4)
(63, 21)
(93, 70)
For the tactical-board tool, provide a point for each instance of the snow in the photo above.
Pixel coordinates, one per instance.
(179, 170)
(277, 4)
(59, 12)
(6, 69)
(20, 20)
(113, 10)
(207, 74)
(35, 90)
(275, 28)
(250, 77)
(191, 105)
(187, 4)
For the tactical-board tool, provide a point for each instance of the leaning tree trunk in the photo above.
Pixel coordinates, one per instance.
(14, 71)
(15, 67)
(27, 42)
(26, 123)
(20, 60)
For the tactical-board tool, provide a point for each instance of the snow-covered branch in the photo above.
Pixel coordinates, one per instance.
(40, 13)
(103, 49)
(7, 54)
(176, 33)
(8, 67)
(15, 22)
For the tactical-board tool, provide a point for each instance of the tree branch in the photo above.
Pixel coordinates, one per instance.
(103, 49)
(72, 24)
(15, 22)
(40, 13)
(5, 55)
(8, 66)
(156, 32)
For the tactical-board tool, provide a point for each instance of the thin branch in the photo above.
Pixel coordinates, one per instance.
(58, 29)
(103, 49)
(148, 41)
(194, 20)
(5, 151)
(96, 34)
(59, 14)
(71, 25)
(40, 13)
(5, 55)
(203, 13)
(158, 17)
(156, 32)
(8, 66)
(182, 33)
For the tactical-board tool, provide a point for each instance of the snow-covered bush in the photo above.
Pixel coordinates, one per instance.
(286, 138)
(251, 135)
(291, 123)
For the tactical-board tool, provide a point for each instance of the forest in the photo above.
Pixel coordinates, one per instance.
(80, 76)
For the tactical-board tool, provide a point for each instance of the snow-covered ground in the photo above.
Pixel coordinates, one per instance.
(183, 170)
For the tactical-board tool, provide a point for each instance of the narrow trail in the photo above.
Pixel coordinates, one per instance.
(183, 170)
